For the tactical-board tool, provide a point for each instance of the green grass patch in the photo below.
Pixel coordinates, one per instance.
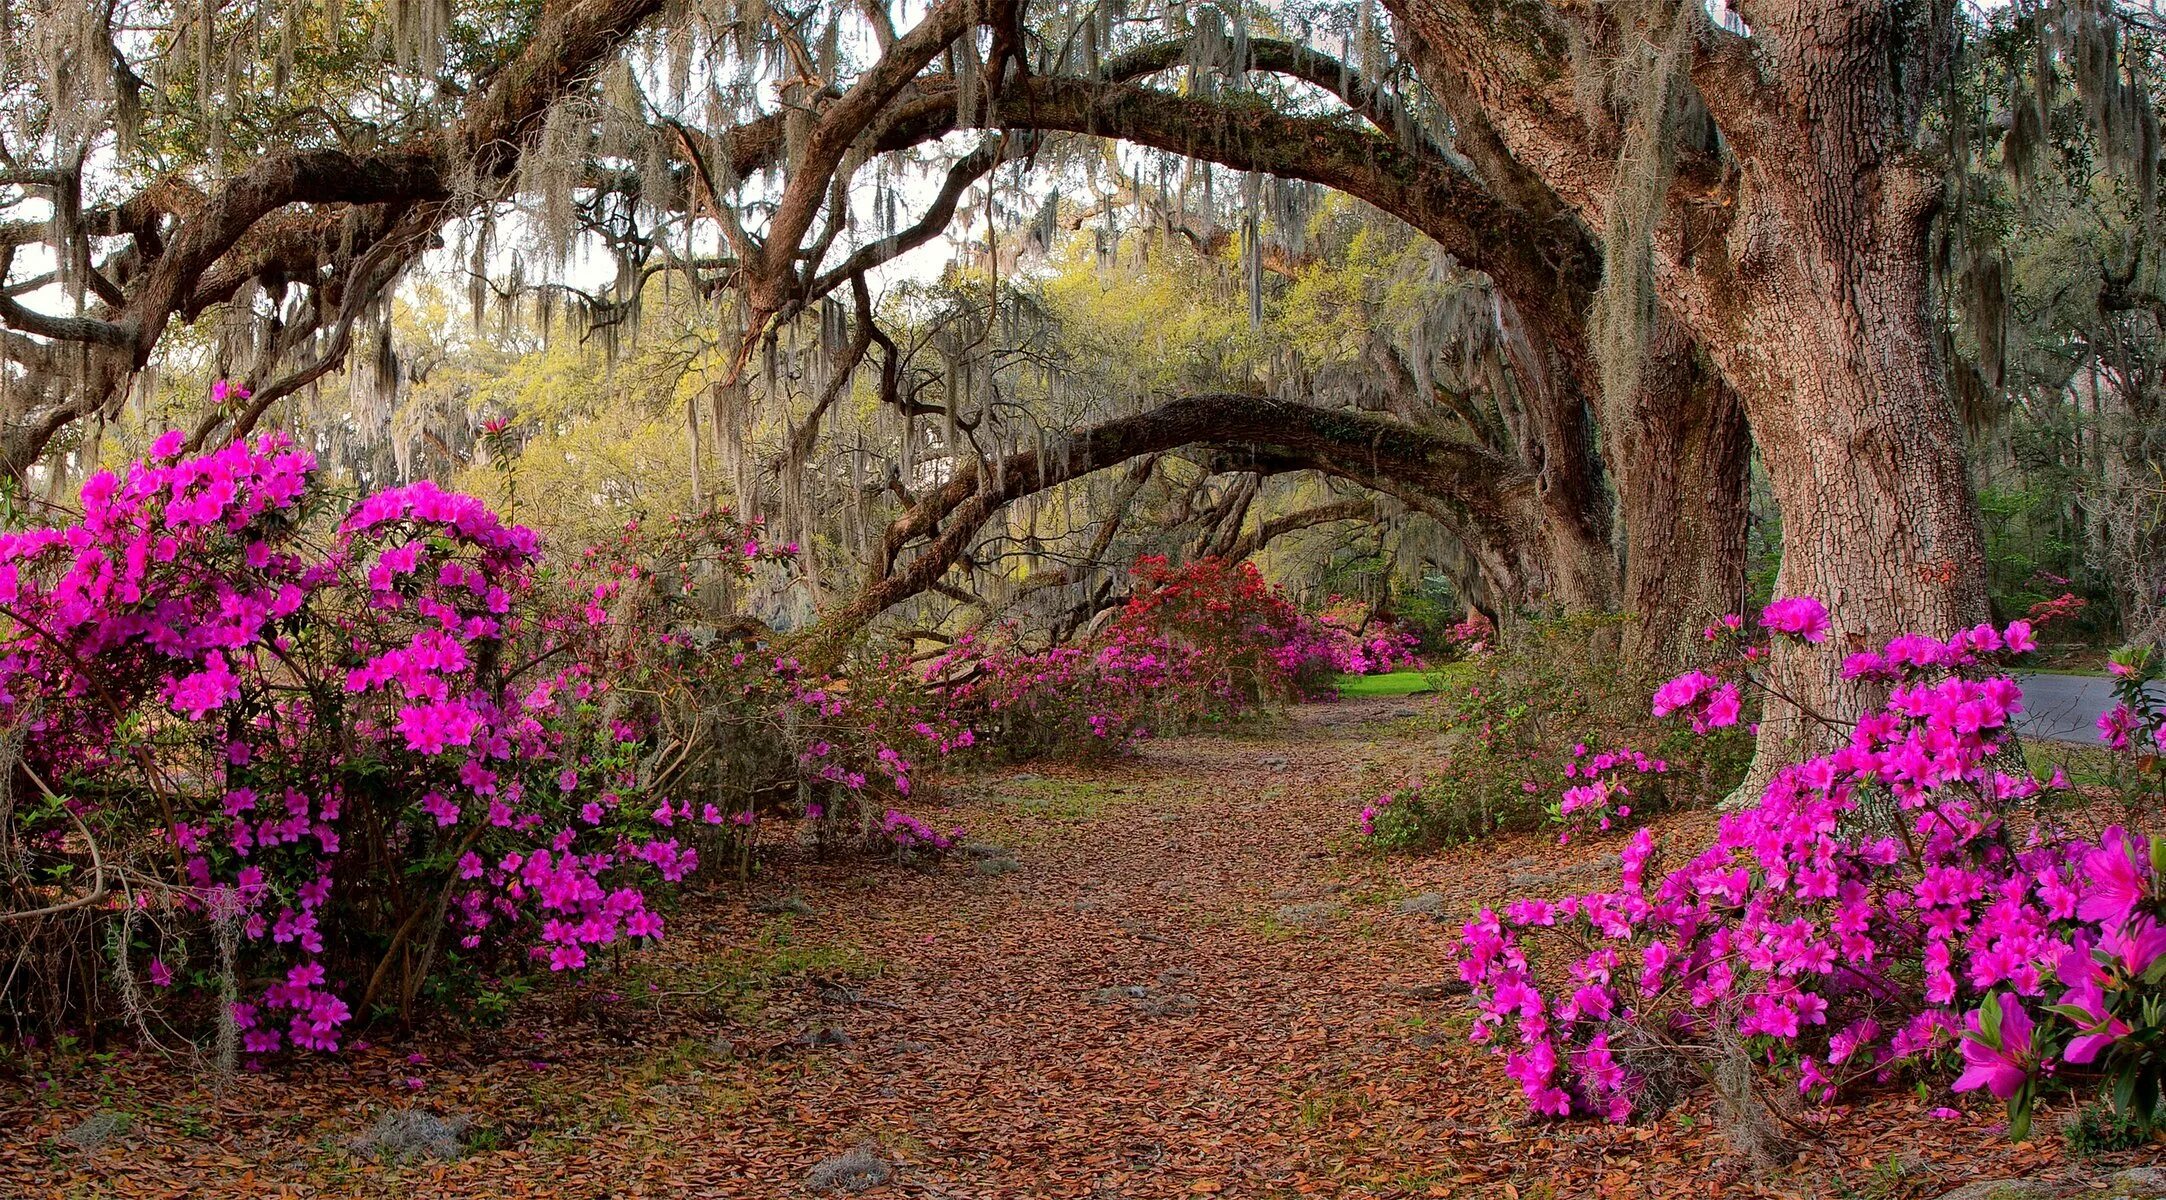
(1062, 799)
(1397, 683)
(2087, 766)
(738, 982)
(1443, 677)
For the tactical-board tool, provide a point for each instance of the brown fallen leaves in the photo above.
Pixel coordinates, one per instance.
(1127, 1015)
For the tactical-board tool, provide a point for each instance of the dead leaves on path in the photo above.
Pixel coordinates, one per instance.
(1189, 983)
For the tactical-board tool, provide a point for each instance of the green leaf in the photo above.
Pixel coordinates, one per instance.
(2071, 1013)
(2145, 1100)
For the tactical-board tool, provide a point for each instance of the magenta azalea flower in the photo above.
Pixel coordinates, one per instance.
(2115, 883)
(2085, 1002)
(1683, 691)
(2135, 943)
(1723, 707)
(1798, 616)
(2000, 1060)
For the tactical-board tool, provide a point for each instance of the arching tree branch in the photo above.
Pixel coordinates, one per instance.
(1491, 494)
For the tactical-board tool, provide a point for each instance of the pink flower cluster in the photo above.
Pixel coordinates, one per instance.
(1472, 636)
(123, 587)
(1336, 640)
(1602, 795)
(1375, 810)
(908, 835)
(1801, 617)
(406, 702)
(1712, 702)
(1113, 691)
(1878, 904)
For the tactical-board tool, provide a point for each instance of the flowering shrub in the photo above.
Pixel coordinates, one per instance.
(1472, 637)
(748, 732)
(914, 839)
(1345, 638)
(1555, 682)
(1204, 642)
(334, 745)
(1396, 820)
(1604, 792)
(347, 759)
(1241, 640)
(1880, 905)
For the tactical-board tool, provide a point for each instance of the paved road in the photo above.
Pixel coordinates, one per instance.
(2063, 708)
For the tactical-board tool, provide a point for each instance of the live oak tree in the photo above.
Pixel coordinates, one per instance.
(1772, 180)
(1686, 224)
(305, 301)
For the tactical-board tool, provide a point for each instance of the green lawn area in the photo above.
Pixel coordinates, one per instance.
(1398, 683)
(1403, 683)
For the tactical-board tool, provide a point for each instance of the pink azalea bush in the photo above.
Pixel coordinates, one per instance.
(289, 719)
(1204, 642)
(751, 733)
(1346, 638)
(1471, 637)
(1888, 903)
(1600, 787)
(343, 753)
(911, 838)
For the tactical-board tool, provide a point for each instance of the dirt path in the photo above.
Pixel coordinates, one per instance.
(1176, 976)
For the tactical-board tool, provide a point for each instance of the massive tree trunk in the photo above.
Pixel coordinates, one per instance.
(1548, 361)
(1794, 253)
(1818, 315)
(1682, 451)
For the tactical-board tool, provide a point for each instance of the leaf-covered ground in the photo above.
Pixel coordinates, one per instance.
(1177, 976)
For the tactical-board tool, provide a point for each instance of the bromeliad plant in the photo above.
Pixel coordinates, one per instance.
(1885, 903)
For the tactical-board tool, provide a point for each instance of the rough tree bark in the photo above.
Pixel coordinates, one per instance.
(1684, 450)
(1797, 260)
(1818, 315)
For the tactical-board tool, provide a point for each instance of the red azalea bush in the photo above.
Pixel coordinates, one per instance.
(1203, 642)
(1242, 642)
(304, 776)
(1896, 902)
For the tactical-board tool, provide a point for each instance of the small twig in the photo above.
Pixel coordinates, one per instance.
(97, 861)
